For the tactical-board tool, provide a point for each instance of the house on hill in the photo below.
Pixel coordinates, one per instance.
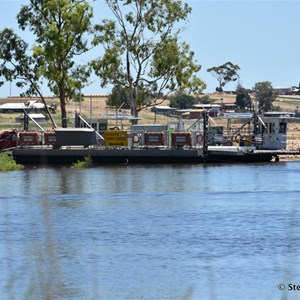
(34, 106)
(163, 110)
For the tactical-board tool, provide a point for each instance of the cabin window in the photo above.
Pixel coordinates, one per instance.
(282, 127)
(102, 126)
(271, 128)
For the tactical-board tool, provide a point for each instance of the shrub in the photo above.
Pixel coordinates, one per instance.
(7, 163)
(81, 164)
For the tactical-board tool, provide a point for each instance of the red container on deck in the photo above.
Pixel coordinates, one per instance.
(180, 139)
(154, 138)
(8, 139)
(50, 138)
(28, 138)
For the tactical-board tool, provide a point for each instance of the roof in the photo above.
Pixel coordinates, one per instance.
(33, 116)
(40, 117)
(278, 113)
(237, 115)
(147, 125)
(191, 110)
(29, 104)
(74, 130)
(206, 105)
(162, 107)
(12, 106)
(120, 117)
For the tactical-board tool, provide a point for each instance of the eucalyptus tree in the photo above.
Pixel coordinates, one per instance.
(142, 51)
(17, 65)
(60, 28)
(224, 74)
(265, 95)
(243, 98)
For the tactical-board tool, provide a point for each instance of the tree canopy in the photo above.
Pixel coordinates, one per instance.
(59, 28)
(224, 74)
(17, 65)
(243, 98)
(120, 97)
(265, 95)
(142, 50)
(182, 101)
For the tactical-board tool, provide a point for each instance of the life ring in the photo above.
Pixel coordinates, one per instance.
(136, 138)
(199, 138)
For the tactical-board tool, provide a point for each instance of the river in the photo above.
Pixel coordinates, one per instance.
(151, 232)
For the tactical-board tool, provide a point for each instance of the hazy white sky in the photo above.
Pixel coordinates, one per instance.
(262, 37)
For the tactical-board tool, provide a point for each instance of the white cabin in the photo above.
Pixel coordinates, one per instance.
(273, 131)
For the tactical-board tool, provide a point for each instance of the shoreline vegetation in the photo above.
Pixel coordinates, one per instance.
(7, 163)
(83, 164)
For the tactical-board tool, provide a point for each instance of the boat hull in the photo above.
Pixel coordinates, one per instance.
(69, 155)
(247, 157)
(107, 156)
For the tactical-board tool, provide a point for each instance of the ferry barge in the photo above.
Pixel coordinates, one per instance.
(157, 144)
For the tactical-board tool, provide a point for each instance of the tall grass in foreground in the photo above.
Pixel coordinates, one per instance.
(7, 163)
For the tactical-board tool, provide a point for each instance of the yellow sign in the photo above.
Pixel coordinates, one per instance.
(115, 138)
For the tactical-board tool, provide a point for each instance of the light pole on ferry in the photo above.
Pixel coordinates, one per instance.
(117, 110)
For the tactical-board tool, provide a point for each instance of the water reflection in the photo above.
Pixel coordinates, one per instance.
(155, 232)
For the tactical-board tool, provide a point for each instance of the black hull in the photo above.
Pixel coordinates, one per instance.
(49, 160)
(246, 158)
(42, 156)
(111, 156)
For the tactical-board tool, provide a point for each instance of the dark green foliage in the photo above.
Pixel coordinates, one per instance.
(205, 99)
(182, 101)
(121, 95)
(243, 98)
(118, 96)
(265, 95)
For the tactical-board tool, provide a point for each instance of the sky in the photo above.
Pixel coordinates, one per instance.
(261, 37)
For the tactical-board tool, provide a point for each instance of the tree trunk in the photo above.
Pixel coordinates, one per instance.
(64, 123)
(134, 109)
